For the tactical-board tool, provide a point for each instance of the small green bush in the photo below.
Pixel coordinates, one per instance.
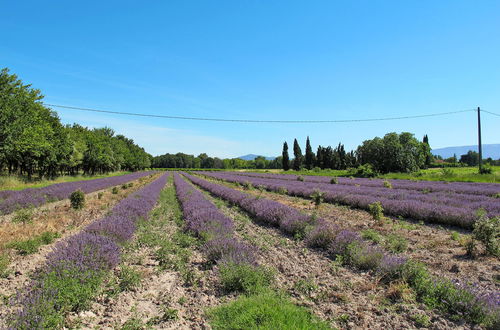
(318, 197)
(387, 184)
(247, 185)
(130, 184)
(487, 231)
(364, 171)
(376, 210)
(77, 199)
(129, 278)
(124, 186)
(300, 178)
(282, 191)
(485, 169)
(372, 235)
(4, 264)
(23, 216)
(334, 180)
(99, 195)
(114, 190)
(396, 243)
(244, 277)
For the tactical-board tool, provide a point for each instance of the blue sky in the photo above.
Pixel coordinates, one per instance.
(261, 60)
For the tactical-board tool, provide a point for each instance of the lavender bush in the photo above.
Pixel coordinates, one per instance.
(12, 200)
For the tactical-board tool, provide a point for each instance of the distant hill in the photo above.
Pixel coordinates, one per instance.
(489, 150)
(252, 157)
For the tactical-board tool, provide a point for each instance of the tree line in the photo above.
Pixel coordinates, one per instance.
(33, 141)
(392, 153)
(181, 160)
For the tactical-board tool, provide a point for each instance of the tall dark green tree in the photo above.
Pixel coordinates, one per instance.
(285, 157)
(427, 151)
(309, 155)
(297, 153)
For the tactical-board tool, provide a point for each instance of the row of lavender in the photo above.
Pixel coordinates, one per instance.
(77, 266)
(456, 209)
(455, 298)
(11, 200)
(470, 188)
(204, 220)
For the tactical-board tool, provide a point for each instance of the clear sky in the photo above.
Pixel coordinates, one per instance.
(261, 60)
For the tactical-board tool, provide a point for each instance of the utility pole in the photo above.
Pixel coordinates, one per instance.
(480, 147)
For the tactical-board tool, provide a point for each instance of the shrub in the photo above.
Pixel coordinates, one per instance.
(496, 195)
(447, 172)
(372, 235)
(317, 196)
(282, 191)
(77, 199)
(247, 185)
(23, 216)
(114, 191)
(395, 243)
(376, 210)
(130, 184)
(387, 184)
(485, 169)
(244, 277)
(129, 278)
(99, 195)
(322, 235)
(266, 310)
(300, 178)
(470, 247)
(487, 231)
(334, 180)
(364, 171)
(4, 263)
(316, 169)
(124, 186)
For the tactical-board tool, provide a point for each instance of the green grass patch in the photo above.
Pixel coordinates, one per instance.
(265, 310)
(32, 245)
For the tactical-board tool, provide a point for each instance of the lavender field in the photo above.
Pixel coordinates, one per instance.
(12, 200)
(466, 299)
(453, 204)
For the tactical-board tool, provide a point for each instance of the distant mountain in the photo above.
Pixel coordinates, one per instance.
(252, 157)
(489, 150)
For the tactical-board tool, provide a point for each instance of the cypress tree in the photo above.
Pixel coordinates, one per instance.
(427, 151)
(286, 158)
(309, 155)
(297, 152)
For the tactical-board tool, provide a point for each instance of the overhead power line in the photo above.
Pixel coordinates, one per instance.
(491, 113)
(254, 120)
